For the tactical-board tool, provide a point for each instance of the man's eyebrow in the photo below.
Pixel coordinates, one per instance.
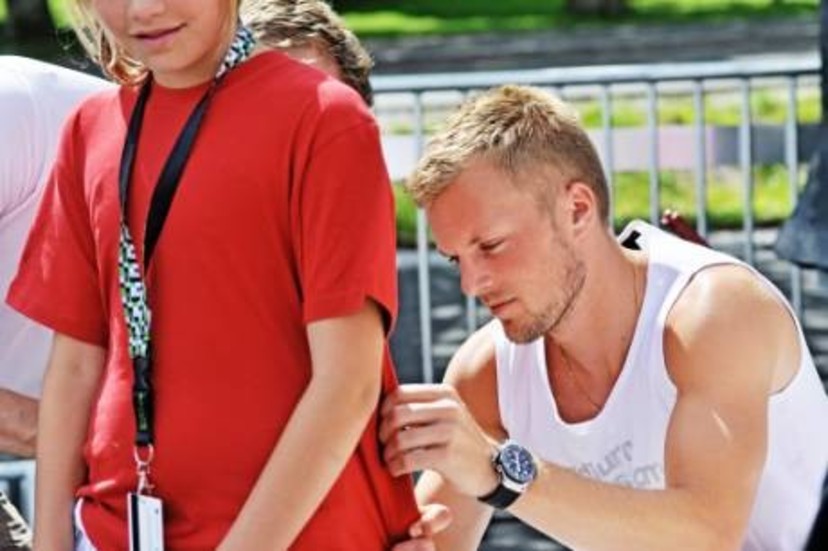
(472, 242)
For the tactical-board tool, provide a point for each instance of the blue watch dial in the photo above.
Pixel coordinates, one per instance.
(517, 463)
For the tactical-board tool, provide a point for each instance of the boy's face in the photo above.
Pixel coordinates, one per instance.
(180, 41)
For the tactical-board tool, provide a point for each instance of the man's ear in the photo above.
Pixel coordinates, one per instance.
(581, 205)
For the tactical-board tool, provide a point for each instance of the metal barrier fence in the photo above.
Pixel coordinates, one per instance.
(649, 83)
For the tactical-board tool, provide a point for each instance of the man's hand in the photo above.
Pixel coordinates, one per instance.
(434, 518)
(429, 427)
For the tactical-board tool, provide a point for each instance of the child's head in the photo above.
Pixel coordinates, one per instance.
(177, 40)
(311, 31)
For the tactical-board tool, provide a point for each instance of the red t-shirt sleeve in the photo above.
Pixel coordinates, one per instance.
(346, 230)
(57, 281)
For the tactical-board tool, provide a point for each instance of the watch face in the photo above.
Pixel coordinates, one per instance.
(517, 463)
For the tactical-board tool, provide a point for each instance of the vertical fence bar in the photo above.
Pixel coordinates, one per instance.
(701, 157)
(652, 126)
(792, 162)
(471, 301)
(746, 163)
(423, 272)
(471, 314)
(609, 160)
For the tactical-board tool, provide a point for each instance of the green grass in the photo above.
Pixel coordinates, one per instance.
(405, 17)
(767, 107)
(725, 202)
(59, 13)
(414, 17)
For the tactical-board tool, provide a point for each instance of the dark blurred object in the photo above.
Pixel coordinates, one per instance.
(28, 19)
(606, 8)
(14, 532)
(803, 239)
(819, 533)
(675, 223)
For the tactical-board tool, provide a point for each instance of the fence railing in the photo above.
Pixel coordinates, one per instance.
(413, 102)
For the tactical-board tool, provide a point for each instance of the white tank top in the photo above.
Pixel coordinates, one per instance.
(624, 443)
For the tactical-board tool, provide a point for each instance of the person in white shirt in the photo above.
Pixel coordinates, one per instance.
(639, 392)
(35, 98)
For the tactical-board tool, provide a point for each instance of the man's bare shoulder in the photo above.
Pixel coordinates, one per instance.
(728, 312)
(472, 372)
(474, 358)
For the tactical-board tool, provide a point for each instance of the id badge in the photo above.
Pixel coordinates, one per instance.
(146, 522)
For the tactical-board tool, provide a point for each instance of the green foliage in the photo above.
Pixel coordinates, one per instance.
(56, 7)
(59, 12)
(725, 196)
(768, 106)
(406, 17)
(412, 17)
(406, 216)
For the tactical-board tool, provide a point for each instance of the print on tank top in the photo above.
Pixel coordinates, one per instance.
(618, 466)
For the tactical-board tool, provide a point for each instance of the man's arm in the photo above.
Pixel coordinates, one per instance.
(18, 423)
(69, 389)
(469, 389)
(727, 346)
(321, 435)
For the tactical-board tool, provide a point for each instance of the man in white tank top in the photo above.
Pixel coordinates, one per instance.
(655, 394)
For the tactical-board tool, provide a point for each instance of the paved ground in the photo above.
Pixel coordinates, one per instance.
(596, 46)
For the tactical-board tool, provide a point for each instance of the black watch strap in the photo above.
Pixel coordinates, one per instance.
(500, 498)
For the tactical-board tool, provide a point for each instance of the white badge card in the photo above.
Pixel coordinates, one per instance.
(146, 523)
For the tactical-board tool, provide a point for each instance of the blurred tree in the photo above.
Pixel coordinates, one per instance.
(27, 19)
(597, 7)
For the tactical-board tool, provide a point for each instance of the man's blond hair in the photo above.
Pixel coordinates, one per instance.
(296, 23)
(520, 130)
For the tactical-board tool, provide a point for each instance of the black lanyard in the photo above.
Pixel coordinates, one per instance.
(162, 197)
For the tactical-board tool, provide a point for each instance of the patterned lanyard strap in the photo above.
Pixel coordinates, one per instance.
(132, 287)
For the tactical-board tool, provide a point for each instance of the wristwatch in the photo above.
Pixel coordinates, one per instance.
(515, 467)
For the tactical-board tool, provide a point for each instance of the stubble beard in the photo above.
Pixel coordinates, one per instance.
(539, 323)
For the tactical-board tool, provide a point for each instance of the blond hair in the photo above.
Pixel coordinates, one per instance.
(297, 23)
(102, 48)
(517, 129)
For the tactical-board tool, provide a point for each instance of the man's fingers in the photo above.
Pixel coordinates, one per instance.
(435, 517)
(405, 416)
(414, 460)
(405, 394)
(405, 441)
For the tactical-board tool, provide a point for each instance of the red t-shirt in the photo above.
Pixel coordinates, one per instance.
(283, 216)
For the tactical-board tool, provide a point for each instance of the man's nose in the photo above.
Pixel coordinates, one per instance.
(474, 279)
